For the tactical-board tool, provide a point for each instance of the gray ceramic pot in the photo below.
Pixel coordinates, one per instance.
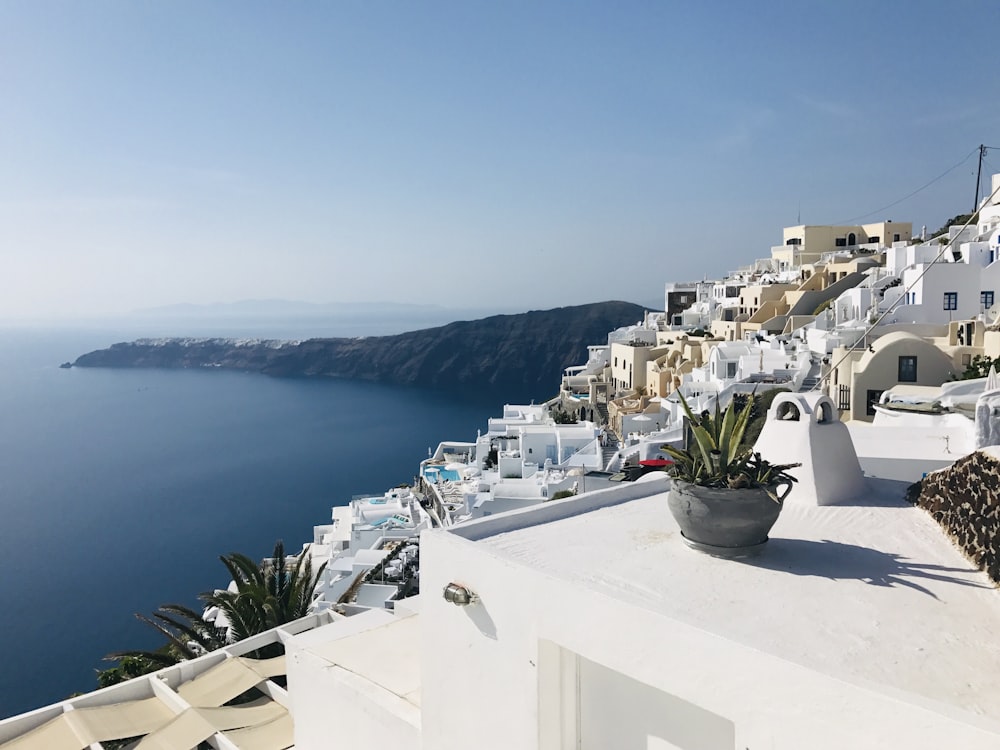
(724, 517)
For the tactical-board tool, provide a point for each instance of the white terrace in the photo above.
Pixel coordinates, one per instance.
(858, 626)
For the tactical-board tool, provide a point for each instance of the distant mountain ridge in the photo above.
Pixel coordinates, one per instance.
(515, 355)
(255, 307)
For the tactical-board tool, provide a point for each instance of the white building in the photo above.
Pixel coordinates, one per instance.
(939, 293)
(831, 638)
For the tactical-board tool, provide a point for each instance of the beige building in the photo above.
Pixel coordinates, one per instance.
(805, 244)
(901, 357)
(628, 364)
(683, 353)
(838, 268)
(923, 355)
(758, 304)
(783, 308)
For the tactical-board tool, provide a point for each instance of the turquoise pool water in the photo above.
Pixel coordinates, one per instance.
(436, 473)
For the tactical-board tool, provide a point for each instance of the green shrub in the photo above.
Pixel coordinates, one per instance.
(980, 367)
(718, 457)
(758, 413)
(822, 306)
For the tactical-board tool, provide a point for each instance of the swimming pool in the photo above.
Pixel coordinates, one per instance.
(439, 473)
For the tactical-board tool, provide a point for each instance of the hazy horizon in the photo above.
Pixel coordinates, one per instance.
(523, 156)
(280, 309)
(261, 319)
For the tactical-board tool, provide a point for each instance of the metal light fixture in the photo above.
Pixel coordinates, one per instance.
(459, 595)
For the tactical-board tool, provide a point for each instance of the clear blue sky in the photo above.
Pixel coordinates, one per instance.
(517, 154)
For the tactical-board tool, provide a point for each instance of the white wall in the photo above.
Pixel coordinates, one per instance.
(816, 438)
(927, 305)
(976, 253)
(898, 258)
(332, 707)
(534, 446)
(617, 711)
(853, 304)
(989, 280)
(501, 673)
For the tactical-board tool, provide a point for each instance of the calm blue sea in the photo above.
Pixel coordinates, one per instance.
(119, 489)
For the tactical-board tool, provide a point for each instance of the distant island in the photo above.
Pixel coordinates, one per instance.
(523, 353)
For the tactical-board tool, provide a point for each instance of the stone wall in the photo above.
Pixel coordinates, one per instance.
(965, 500)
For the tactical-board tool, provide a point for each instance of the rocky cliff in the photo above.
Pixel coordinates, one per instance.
(515, 355)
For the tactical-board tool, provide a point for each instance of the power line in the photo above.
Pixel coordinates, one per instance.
(979, 173)
(910, 195)
(992, 167)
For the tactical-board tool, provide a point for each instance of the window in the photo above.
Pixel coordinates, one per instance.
(895, 238)
(873, 240)
(907, 370)
(951, 300)
(731, 369)
(872, 401)
(852, 239)
(986, 299)
(840, 242)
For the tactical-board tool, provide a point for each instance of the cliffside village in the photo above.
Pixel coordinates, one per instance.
(529, 588)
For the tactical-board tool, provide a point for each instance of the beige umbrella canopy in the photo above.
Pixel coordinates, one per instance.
(642, 418)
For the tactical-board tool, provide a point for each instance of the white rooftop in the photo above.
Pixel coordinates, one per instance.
(867, 594)
(387, 655)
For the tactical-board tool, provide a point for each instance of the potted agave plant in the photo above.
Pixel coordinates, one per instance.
(723, 495)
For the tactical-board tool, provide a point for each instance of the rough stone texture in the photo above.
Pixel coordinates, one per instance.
(965, 500)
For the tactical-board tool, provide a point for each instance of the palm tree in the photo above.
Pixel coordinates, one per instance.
(267, 594)
(188, 635)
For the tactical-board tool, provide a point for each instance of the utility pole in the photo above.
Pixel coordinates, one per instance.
(979, 174)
